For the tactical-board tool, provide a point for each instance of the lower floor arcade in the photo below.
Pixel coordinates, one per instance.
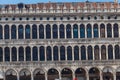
(63, 73)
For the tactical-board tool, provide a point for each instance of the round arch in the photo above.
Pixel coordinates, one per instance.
(94, 73)
(80, 74)
(66, 73)
(10, 74)
(118, 73)
(39, 74)
(53, 74)
(25, 74)
(107, 73)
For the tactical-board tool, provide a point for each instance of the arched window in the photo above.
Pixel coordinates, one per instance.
(48, 31)
(34, 31)
(1, 54)
(109, 30)
(28, 53)
(48, 53)
(76, 53)
(89, 31)
(102, 31)
(27, 31)
(21, 54)
(1, 32)
(68, 31)
(96, 52)
(90, 53)
(20, 32)
(55, 53)
(13, 32)
(62, 32)
(110, 52)
(42, 53)
(95, 29)
(82, 31)
(35, 53)
(14, 54)
(55, 31)
(103, 52)
(69, 53)
(115, 30)
(41, 31)
(62, 53)
(117, 52)
(6, 32)
(7, 53)
(75, 31)
(83, 53)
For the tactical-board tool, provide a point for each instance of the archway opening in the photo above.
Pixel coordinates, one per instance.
(118, 74)
(53, 74)
(94, 74)
(10, 75)
(66, 74)
(25, 75)
(107, 74)
(39, 74)
(80, 74)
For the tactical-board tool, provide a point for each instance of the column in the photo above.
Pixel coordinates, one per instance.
(31, 48)
(17, 54)
(113, 52)
(65, 31)
(52, 53)
(101, 78)
(60, 76)
(72, 53)
(38, 53)
(45, 53)
(114, 75)
(93, 53)
(32, 78)
(112, 31)
(85, 31)
(73, 75)
(105, 31)
(66, 52)
(46, 76)
(18, 77)
(10, 54)
(51, 27)
(100, 52)
(86, 52)
(87, 76)
(92, 29)
(24, 54)
(44, 27)
(99, 31)
(106, 52)
(17, 32)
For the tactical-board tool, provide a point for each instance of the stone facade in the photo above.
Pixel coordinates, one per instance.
(48, 41)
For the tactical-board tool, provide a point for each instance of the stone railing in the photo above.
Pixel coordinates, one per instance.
(78, 7)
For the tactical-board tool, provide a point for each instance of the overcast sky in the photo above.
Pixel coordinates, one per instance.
(38, 1)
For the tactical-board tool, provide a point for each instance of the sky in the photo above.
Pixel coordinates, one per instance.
(45, 1)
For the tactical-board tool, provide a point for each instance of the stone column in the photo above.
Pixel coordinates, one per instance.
(87, 76)
(60, 76)
(32, 78)
(106, 52)
(86, 52)
(65, 31)
(101, 78)
(46, 76)
(114, 75)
